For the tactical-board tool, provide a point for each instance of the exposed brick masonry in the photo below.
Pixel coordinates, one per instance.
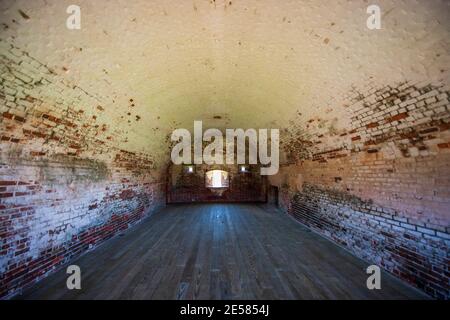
(244, 187)
(380, 188)
(65, 186)
(413, 252)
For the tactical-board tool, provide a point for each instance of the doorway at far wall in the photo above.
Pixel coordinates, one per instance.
(273, 195)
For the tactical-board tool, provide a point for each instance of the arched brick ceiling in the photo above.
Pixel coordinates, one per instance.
(147, 67)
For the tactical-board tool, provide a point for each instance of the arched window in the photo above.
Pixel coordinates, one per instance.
(217, 179)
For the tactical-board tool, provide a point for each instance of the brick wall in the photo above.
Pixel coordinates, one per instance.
(243, 187)
(380, 186)
(414, 252)
(68, 178)
(65, 184)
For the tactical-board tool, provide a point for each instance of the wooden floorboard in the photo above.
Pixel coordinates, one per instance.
(220, 251)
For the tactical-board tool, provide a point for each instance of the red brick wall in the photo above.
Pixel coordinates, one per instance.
(378, 186)
(65, 186)
(381, 187)
(189, 187)
(47, 223)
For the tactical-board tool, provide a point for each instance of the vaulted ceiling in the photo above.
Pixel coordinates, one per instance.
(154, 66)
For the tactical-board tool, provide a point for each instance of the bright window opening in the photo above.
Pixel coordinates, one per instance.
(188, 169)
(217, 179)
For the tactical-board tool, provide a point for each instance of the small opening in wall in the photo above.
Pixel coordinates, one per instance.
(217, 179)
(189, 169)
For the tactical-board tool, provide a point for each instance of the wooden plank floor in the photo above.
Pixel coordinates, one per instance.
(220, 251)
